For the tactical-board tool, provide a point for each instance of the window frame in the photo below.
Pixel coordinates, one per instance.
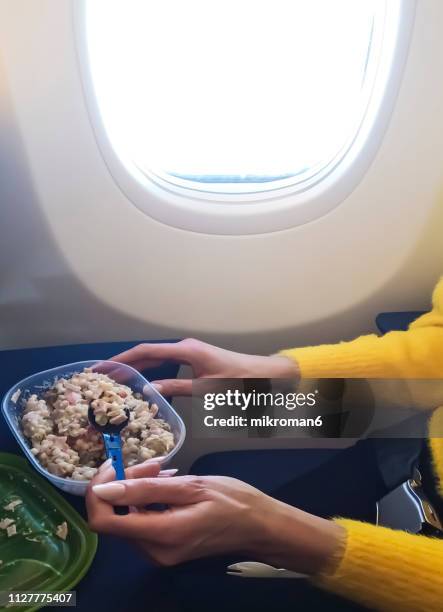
(288, 205)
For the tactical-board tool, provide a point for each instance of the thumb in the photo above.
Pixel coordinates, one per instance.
(173, 386)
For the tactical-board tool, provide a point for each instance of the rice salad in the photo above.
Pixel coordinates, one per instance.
(57, 428)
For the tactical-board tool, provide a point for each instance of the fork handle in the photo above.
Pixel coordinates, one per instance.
(113, 448)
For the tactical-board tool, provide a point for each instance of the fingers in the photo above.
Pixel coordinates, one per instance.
(148, 469)
(97, 509)
(151, 526)
(148, 526)
(178, 491)
(143, 470)
(120, 373)
(151, 355)
(173, 386)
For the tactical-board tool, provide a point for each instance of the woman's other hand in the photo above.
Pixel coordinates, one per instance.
(206, 361)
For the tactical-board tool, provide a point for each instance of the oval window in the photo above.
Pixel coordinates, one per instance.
(235, 101)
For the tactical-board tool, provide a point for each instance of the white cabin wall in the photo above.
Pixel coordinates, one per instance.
(80, 263)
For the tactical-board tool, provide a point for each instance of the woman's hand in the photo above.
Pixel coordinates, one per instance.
(211, 515)
(206, 361)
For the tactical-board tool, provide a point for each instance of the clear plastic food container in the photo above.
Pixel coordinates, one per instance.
(37, 383)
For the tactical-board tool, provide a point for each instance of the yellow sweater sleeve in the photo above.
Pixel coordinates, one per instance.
(381, 568)
(415, 353)
(389, 570)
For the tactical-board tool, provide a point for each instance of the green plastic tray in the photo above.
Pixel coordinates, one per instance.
(50, 563)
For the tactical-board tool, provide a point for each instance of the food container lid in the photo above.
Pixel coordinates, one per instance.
(36, 558)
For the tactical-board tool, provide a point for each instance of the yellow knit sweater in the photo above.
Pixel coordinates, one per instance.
(382, 568)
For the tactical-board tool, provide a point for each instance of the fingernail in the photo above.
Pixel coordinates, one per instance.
(110, 491)
(166, 473)
(104, 466)
(157, 386)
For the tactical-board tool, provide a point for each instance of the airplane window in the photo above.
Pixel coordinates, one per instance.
(233, 97)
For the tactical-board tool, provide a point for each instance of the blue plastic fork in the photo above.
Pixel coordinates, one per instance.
(113, 447)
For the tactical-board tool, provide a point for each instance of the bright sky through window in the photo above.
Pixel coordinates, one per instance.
(230, 91)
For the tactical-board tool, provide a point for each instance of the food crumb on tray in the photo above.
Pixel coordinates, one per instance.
(12, 505)
(5, 522)
(61, 438)
(8, 525)
(62, 530)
